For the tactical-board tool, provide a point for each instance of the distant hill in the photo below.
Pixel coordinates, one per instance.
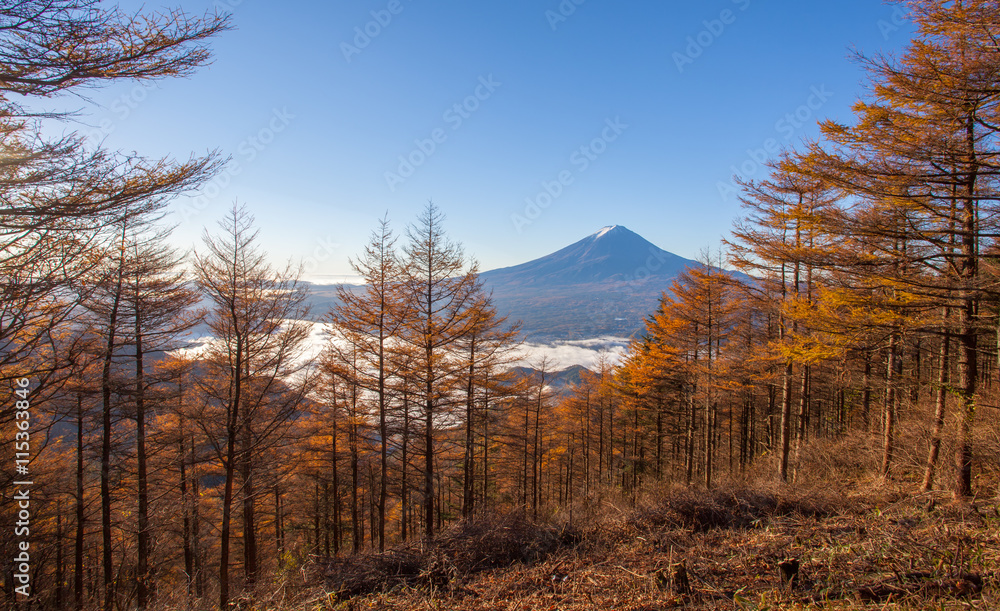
(604, 285)
(559, 381)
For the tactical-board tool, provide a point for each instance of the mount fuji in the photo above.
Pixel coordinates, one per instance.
(613, 254)
(603, 285)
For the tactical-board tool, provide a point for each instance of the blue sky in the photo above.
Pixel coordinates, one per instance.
(530, 123)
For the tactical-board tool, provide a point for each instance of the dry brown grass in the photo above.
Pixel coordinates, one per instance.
(876, 550)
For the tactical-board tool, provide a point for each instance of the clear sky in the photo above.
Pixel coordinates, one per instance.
(632, 112)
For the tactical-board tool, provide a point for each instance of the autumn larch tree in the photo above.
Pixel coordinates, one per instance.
(59, 196)
(441, 287)
(925, 146)
(159, 300)
(773, 244)
(372, 318)
(257, 317)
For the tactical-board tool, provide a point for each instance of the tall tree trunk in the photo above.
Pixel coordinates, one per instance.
(142, 564)
(279, 527)
(60, 568)
(967, 340)
(429, 438)
(383, 427)
(967, 373)
(486, 445)
(940, 406)
(689, 437)
(524, 457)
(106, 433)
(196, 550)
(469, 473)
(357, 532)
(889, 407)
(335, 472)
(403, 489)
(232, 431)
(866, 393)
(786, 421)
(81, 516)
(249, 509)
(536, 458)
(186, 515)
(227, 516)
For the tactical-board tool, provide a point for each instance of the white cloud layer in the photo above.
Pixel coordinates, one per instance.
(561, 355)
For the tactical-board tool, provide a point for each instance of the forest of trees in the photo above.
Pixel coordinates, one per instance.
(855, 302)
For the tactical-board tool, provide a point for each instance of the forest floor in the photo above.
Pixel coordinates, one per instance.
(874, 550)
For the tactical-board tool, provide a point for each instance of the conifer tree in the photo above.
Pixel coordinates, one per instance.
(924, 149)
(370, 319)
(442, 289)
(258, 318)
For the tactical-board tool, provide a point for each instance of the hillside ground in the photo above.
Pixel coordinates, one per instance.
(877, 548)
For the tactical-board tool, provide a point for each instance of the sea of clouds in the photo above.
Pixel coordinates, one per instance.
(559, 355)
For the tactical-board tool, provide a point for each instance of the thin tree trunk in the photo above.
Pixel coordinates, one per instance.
(356, 527)
(334, 468)
(186, 515)
(60, 568)
(279, 527)
(404, 491)
(940, 407)
(232, 430)
(468, 484)
(106, 433)
(429, 442)
(142, 564)
(249, 509)
(786, 421)
(536, 486)
(689, 437)
(80, 510)
(383, 428)
(199, 574)
(889, 413)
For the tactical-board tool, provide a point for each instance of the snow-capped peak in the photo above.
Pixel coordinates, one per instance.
(604, 231)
